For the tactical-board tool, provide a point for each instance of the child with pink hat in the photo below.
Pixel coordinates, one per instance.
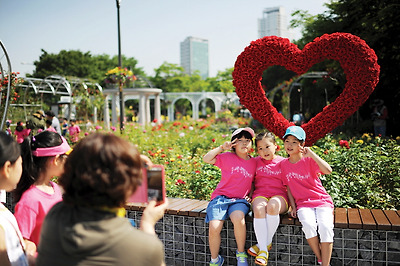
(230, 198)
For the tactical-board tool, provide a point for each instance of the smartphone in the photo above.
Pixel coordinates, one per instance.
(152, 187)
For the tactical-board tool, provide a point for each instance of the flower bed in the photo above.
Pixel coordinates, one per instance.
(365, 168)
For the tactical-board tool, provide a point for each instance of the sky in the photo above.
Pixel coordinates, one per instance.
(151, 30)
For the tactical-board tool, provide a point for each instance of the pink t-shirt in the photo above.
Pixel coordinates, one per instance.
(237, 175)
(268, 181)
(32, 208)
(74, 132)
(22, 134)
(51, 129)
(304, 183)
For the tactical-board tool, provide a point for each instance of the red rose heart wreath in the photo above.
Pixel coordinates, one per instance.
(357, 59)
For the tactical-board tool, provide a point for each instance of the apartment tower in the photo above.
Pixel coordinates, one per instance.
(273, 23)
(194, 56)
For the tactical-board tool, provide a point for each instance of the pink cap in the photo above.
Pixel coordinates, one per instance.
(64, 148)
(237, 131)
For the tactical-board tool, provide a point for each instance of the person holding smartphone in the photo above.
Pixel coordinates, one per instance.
(89, 226)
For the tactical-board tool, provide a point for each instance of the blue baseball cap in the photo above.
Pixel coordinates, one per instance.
(297, 132)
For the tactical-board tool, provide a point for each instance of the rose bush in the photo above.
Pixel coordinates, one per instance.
(357, 59)
(366, 169)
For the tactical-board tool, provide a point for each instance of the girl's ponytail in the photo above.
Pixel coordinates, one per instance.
(28, 169)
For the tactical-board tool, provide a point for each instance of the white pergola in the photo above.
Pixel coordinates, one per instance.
(143, 94)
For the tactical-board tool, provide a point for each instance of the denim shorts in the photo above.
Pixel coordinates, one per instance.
(221, 207)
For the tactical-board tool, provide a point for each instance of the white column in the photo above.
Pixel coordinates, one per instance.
(95, 115)
(106, 113)
(142, 109)
(148, 116)
(114, 109)
(157, 108)
(195, 106)
(217, 104)
(171, 112)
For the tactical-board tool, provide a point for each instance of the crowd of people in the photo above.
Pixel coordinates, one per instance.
(40, 121)
(80, 219)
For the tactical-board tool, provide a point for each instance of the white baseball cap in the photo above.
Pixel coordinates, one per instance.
(237, 131)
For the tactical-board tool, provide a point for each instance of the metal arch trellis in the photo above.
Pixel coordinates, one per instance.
(84, 83)
(296, 83)
(60, 84)
(54, 84)
(7, 90)
(40, 86)
(143, 82)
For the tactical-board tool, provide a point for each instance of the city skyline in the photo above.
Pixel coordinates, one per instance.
(151, 31)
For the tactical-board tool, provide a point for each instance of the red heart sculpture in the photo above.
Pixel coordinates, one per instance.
(357, 59)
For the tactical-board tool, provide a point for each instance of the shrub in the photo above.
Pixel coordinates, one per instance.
(365, 169)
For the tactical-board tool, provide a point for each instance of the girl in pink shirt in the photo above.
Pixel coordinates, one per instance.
(49, 127)
(230, 198)
(43, 159)
(308, 198)
(269, 197)
(74, 131)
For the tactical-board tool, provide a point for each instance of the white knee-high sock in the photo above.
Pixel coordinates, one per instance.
(272, 224)
(260, 229)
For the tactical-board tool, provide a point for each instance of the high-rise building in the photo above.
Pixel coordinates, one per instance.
(273, 23)
(194, 56)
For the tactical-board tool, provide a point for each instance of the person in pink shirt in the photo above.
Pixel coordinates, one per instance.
(269, 197)
(74, 131)
(231, 196)
(43, 157)
(49, 127)
(20, 132)
(308, 198)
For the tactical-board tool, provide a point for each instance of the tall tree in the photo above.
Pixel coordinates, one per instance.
(376, 22)
(222, 82)
(167, 77)
(65, 63)
(81, 65)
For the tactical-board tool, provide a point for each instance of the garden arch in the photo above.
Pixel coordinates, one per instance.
(5, 85)
(143, 94)
(55, 85)
(287, 108)
(195, 98)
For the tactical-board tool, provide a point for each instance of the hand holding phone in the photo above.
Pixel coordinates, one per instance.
(152, 187)
(151, 215)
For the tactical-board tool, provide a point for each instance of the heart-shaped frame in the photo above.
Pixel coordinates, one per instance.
(358, 60)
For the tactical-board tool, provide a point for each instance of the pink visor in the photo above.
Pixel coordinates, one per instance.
(64, 148)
